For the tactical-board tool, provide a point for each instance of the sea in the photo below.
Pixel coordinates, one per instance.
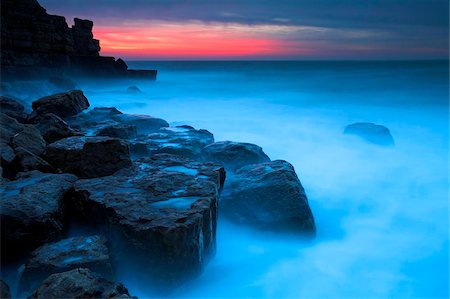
(382, 213)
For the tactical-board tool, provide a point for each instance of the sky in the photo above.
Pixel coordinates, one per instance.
(264, 29)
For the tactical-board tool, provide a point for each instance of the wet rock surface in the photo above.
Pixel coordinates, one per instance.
(68, 254)
(32, 211)
(234, 155)
(371, 132)
(163, 211)
(25, 160)
(62, 104)
(80, 283)
(30, 138)
(89, 157)
(181, 140)
(268, 196)
(12, 108)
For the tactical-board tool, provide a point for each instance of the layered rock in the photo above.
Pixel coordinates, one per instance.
(234, 155)
(268, 196)
(68, 254)
(80, 283)
(32, 211)
(89, 157)
(162, 214)
(38, 45)
(371, 132)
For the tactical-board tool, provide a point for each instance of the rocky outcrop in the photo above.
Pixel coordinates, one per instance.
(88, 157)
(163, 211)
(32, 211)
(62, 104)
(68, 254)
(144, 124)
(371, 132)
(38, 45)
(80, 283)
(268, 196)
(234, 155)
(53, 128)
(12, 108)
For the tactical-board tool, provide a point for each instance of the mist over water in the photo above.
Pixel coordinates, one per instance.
(381, 213)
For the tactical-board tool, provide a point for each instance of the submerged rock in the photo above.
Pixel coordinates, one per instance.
(62, 104)
(4, 290)
(133, 89)
(144, 123)
(268, 196)
(32, 211)
(162, 214)
(234, 155)
(371, 132)
(181, 140)
(80, 283)
(89, 157)
(79, 252)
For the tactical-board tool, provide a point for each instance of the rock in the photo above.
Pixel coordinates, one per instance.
(234, 155)
(162, 214)
(371, 132)
(144, 124)
(62, 104)
(25, 160)
(53, 128)
(29, 138)
(32, 211)
(133, 89)
(7, 153)
(117, 131)
(9, 127)
(88, 157)
(68, 254)
(182, 140)
(4, 290)
(80, 283)
(95, 119)
(13, 108)
(268, 196)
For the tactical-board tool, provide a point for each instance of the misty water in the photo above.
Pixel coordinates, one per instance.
(381, 213)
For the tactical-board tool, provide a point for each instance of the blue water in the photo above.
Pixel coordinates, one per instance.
(381, 213)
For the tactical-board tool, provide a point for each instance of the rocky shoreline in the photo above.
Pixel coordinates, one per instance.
(137, 191)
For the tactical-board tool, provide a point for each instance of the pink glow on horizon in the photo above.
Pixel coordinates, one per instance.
(194, 40)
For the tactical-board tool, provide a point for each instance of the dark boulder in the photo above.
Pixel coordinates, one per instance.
(80, 283)
(162, 213)
(32, 211)
(6, 152)
(62, 104)
(268, 196)
(144, 123)
(68, 254)
(12, 108)
(117, 131)
(9, 127)
(53, 128)
(25, 160)
(4, 290)
(182, 140)
(88, 157)
(29, 138)
(371, 132)
(233, 155)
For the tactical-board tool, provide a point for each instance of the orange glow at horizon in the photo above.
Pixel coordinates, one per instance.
(194, 40)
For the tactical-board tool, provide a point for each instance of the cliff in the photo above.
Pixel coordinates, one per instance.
(36, 44)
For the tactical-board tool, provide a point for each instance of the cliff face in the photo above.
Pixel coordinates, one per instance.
(36, 44)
